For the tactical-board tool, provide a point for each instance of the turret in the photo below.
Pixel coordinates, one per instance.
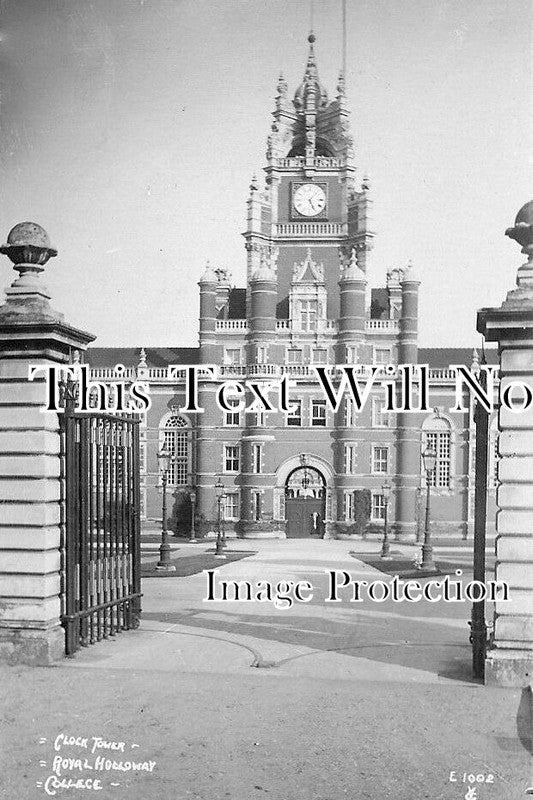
(408, 336)
(352, 315)
(208, 313)
(263, 300)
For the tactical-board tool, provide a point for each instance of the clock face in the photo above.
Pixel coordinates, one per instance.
(309, 199)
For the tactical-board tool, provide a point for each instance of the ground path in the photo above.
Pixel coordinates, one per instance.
(242, 700)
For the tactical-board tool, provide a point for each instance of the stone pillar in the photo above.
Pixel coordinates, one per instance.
(31, 332)
(408, 433)
(509, 660)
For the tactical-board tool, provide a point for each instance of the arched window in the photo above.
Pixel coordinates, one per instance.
(174, 437)
(437, 435)
(305, 482)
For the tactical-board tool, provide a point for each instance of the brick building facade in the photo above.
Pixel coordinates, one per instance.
(306, 302)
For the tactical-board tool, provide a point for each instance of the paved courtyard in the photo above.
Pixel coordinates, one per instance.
(242, 700)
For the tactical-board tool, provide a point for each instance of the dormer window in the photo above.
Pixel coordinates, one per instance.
(308, 296)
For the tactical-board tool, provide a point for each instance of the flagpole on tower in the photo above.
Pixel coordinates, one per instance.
(344, 39)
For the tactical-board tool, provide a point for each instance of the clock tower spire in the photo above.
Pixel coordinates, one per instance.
(310, 198)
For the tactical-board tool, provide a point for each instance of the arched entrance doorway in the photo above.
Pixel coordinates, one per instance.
(305, 502)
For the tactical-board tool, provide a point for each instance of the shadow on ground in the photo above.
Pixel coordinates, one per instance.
(445, 653)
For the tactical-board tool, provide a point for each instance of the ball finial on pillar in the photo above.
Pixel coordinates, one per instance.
(28, 247)
(28, 243)
(522, 232)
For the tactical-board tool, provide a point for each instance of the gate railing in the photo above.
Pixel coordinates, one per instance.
(101, 549)
(478, 633)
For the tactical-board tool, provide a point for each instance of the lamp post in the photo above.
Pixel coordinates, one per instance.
(219, 491)
(418, 505)
(164, 565)
(385, 547)
(429, 457)
(192, 498)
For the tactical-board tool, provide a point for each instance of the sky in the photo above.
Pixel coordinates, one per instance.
(130, 130)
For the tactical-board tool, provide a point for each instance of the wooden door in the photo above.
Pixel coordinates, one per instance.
(305, 517)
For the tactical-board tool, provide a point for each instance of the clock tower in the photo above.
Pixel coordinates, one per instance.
(311, 199)
(306, 470)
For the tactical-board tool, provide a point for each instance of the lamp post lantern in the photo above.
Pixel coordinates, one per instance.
(429, 457)
(304, 461)
(385, 547)
(164, 565)
(220, 495)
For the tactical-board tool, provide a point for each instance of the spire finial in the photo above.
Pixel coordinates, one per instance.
(208, 275)
(352, 270)
(311, 71)
(341, 85)
(344, 39)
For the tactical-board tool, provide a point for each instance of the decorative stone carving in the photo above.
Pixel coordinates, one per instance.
(308, 264)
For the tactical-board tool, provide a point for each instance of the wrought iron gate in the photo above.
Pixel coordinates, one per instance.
(478, 634)
(101, 549)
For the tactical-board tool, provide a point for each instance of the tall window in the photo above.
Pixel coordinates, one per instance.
(256, 505)
(294, 417)
(349, 506)
(349, 459)
(380, 416)
(262, 354)
(308, 315)
(380, 459)
(318, 413)
(351, 354)
(437, 436)
(256, 458)
(231, 505)
(349, 413)
(377, 509)
(176, 441)
(231, 458)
